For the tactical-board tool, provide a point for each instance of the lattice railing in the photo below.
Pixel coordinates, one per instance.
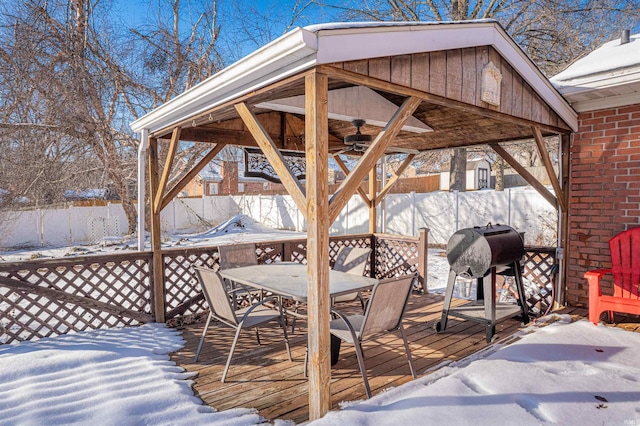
(537, 263)
(537, 273)
(183, 295)
(55, 296)
(395, 256)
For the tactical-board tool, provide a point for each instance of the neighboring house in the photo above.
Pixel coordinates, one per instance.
(231, 181)
(604, 186)
(478, 176)
(512, 178)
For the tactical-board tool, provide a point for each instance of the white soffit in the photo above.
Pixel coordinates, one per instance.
(350, 103)
(608, 77)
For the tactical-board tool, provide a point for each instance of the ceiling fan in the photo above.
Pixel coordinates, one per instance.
(357, 142)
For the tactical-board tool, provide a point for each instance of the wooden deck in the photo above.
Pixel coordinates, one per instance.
(263, 378)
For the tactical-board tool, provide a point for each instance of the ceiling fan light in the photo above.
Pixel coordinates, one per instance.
(357, 138)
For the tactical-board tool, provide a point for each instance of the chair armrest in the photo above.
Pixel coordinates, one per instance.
(344, 318)
(260, 303)
(593, 278)
(239, 289)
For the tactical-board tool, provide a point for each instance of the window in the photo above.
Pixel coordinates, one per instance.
(213, 188)
(483, 178)
(241, 187)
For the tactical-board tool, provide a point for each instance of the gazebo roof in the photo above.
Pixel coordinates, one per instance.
(305, 48)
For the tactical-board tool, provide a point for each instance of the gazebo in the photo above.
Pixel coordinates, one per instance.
(417, 86)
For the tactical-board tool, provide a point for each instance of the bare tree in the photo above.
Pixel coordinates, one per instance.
(72, 82)
(66, 74)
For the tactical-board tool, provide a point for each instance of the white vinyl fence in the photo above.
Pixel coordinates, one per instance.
(442, 212)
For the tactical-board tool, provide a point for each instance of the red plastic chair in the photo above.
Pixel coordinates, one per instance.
(625, 268)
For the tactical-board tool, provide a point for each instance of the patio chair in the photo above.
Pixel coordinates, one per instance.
(352, 260)
(625, 274)
(220, 308)
(384, 314)
(236, 256)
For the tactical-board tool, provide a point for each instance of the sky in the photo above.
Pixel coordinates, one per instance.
(555, 371)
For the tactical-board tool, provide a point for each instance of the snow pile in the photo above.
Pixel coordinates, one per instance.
(118, 377)
(570, 374)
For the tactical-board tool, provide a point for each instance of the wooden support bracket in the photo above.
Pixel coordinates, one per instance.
(168, 165)
(531, 180)
(546, 160)
(274, 156)
(394, 178)
(189, 176)
(346, 171)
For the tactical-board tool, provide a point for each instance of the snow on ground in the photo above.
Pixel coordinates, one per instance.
(564, 373)
(237, 229)
(104, 377)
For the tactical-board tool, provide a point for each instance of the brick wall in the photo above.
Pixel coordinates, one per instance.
(604, 190)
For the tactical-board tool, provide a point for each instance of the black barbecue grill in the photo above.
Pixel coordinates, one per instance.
(480, 253)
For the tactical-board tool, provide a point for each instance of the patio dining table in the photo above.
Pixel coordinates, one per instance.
(289, 280)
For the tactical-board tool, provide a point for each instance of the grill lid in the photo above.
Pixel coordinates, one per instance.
(472, 252)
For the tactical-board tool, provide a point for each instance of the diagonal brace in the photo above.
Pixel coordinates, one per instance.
(274, 156)
(371, 156)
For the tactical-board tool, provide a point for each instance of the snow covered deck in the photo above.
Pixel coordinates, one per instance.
(263, 378)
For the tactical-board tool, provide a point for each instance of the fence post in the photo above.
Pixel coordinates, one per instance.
(423, 250)
(40, 227)
(413, 213)
(173, 210)
(509, 207)
(69, 214)
(372, 261)
(346, 219)
(457, 201)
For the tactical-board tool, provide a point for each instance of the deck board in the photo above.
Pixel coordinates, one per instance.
(262, 377)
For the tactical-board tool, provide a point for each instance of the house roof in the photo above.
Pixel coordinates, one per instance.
(304, 48)
(607, 77)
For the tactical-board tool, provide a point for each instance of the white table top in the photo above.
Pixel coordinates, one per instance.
(290, 279)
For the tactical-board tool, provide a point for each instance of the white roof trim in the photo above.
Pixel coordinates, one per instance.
(607, 102)
(608, 77)
(286, 56)
(303, 48)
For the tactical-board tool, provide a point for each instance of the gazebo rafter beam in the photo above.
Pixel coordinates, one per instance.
(204, 117)
(386, 86)
(546, 160)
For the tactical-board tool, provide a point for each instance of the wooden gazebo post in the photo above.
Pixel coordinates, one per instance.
(317, 155)
(156, 248)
